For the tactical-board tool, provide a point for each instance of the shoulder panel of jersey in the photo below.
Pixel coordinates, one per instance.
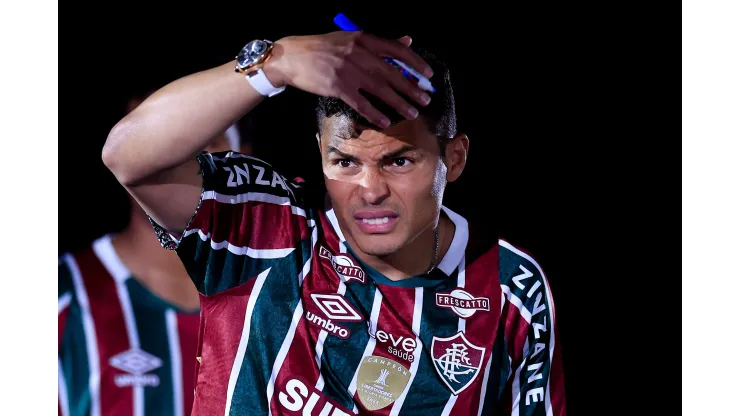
(249, 218)
(529, 314)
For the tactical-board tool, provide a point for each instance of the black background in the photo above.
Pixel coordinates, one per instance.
(560, 139)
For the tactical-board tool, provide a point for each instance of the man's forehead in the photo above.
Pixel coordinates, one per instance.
(343, 131)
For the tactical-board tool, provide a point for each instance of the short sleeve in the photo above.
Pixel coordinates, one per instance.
(247, 214)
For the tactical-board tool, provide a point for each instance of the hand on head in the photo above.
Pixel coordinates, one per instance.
(340, 64)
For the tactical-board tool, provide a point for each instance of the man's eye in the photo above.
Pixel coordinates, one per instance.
(345, 163)
(401, 162)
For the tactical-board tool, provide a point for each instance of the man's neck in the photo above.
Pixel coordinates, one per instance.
(415, 258)
(158, 269)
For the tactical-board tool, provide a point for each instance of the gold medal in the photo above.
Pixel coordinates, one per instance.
(380, 381)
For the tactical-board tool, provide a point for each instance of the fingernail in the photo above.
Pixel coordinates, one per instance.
(385, 122)
(428, 73)
(425, 99)
(413, 113)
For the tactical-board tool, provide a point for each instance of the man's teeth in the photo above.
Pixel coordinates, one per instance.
(375, 220)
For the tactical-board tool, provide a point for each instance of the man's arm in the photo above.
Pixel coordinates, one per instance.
(535, 382)
(151, 151)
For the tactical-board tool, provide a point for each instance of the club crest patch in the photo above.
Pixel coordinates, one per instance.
(457, 361)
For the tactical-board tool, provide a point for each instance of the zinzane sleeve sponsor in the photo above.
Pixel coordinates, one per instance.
(248, 214)
(535, 383)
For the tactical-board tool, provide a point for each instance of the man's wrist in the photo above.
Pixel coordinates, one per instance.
(272, 67)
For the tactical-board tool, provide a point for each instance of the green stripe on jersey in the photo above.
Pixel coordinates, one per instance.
(341, 357)
(427, 387)
(271, 320)
(221, 269)
(152, 329)
(73, 355)
(498, 374)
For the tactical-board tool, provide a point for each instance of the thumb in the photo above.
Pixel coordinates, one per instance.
(405, 41)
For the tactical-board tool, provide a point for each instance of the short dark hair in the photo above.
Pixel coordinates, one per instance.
(439, 114)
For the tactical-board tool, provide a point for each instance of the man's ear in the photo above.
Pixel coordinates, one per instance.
(456, 155)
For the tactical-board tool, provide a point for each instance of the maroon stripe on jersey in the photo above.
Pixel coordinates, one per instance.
(222, 319)
(481, 276)
(557, 378)
(516, 329)
(557, 381)
(110, 330)
(187, 324)
(254, 218)
(395, 319)
(297, 360)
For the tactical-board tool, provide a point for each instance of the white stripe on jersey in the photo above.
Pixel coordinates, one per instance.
(244, 340)
(173, 338)
(297, 315)
(63, 398)
(342, 289)
(274, 253)
(253, 197)
(526, 314)
(548, 405)
(106, 253)
(91, 342)
(515, 386)
(416, 328)
(370, 347)
(485, 384)
(460, 327)
(64, 302)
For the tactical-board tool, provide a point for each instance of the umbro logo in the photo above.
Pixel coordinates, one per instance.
(136, 362)
(333, 306)
(343, 265)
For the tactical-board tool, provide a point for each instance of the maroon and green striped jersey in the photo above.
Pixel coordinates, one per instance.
(122, 349)
(293, 323)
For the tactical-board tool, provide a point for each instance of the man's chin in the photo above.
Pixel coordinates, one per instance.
(377, 245)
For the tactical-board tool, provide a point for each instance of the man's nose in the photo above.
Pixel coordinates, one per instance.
(373, 187)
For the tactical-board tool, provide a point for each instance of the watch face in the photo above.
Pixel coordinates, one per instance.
(251, 52)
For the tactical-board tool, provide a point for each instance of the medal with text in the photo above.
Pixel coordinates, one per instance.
(380, 381)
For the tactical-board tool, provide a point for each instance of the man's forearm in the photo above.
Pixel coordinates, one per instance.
(177, 122)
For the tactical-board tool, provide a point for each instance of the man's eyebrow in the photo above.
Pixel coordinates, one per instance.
(396, 153)
(331, 149)
(392, 155)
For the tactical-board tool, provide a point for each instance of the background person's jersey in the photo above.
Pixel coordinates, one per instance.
(293, 324)
(122, 349)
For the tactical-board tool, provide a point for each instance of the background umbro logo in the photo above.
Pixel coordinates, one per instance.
(136, 362)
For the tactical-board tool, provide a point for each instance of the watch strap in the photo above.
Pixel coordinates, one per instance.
(258, 80)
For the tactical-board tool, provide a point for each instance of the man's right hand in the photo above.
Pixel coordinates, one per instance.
(339, 64)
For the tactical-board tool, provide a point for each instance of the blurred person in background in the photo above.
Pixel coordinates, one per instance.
(128, 319)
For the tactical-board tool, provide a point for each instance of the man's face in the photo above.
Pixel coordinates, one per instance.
(386, 186)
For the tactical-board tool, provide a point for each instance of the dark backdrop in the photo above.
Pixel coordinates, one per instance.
(532, 93)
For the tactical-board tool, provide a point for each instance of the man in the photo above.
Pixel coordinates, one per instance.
(375, 299)
(128, 321)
